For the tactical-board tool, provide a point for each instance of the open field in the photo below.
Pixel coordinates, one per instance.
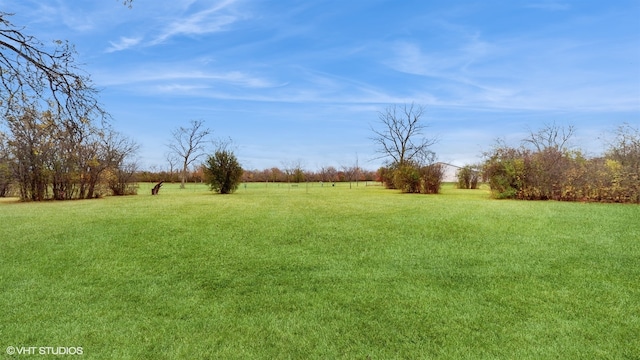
(321, 272)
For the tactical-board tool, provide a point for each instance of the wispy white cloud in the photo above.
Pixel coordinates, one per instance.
(210, 20)
(123, 44)
(455, 70)
(187, 18)
(182, 78)
(410, 57)
(246, 80)
(179, 88)
(58, 17)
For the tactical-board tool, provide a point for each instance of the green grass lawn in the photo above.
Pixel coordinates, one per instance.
(279, 272)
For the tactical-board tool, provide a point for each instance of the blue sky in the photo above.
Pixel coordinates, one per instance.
(303, 80)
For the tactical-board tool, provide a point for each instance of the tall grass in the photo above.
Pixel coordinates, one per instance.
(313, 271)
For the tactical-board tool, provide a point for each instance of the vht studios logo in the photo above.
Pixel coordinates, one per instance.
(43, 350)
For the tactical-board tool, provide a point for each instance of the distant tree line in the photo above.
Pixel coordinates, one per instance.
(326, 174)
(298, 175)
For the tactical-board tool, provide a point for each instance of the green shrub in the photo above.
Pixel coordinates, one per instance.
(407, 179)
(223, 172)
(468, 177)
(412, 178)
(431, 178)
(386, 176)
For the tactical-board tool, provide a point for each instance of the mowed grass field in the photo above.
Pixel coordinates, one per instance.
(274, 272)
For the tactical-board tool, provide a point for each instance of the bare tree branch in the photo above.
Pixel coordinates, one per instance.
(33, 74)
(551, 136)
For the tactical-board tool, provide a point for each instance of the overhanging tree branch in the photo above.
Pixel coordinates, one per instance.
(32, 73)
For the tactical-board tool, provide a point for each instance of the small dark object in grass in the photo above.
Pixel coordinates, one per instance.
(156, 188)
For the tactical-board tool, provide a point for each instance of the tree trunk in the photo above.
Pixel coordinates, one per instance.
(184, 174)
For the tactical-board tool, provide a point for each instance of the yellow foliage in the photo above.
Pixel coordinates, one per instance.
(94, 162)
(614, 166)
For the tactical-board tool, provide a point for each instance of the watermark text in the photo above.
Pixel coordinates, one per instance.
(44, 350)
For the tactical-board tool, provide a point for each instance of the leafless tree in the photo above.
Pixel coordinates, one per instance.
(551, 136)
(625, 147)
(327, 173)
(350, 173)
(548, 160)
(401, 136)
(172, 160)
(332, 173)
(189, 144)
